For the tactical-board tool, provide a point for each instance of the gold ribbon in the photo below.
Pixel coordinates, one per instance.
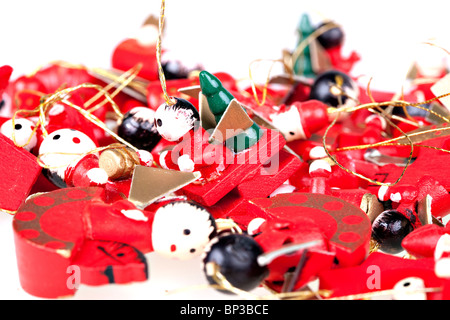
(162, 78)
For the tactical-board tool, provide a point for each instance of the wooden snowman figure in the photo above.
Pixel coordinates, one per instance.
(67, 154)
(180, 123)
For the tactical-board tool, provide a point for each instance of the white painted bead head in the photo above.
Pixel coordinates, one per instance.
(174, 121)
(289, 124)
(181, 230)
(22, 131)
(63, 148)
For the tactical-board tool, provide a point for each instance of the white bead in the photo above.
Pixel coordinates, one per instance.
(319, 164)
(185, 163)
(98, 175)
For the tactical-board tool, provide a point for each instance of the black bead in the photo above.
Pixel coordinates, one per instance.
(139, 132)
(54, 178)
(321, 88)
(174, 70)
(331, 38)
(412, 111)
(389, 229)
(236, 256)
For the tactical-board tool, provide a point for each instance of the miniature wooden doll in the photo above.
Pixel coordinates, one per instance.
(219, 99)
(65, 152)
(180, 123)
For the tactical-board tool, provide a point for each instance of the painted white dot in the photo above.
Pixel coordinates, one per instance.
(98, 175)
(185, 163)
(135, 215)
(317, 153)
(319, 164)
(284, 188)
(145, 158)
(56, 109)
(254, 225)
(396, 197)
(162, 159)
(442, 246)
(442, 268)
(382, 193)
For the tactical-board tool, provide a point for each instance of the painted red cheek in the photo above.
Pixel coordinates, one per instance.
(173, 248)
(76, 140)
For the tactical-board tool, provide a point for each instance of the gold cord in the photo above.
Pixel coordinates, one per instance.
(169, 101)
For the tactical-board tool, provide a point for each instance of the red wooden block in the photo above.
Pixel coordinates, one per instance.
(244, 166)
(346, 226)
(52, 232)
(428, 162)
(107, 222)
(19, 171)
(274, 174)
(379, 272)
(103, 262)
(234, 204)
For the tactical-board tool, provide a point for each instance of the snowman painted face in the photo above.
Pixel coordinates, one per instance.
(173, 122)
(23, 132)
(181, 230)
(289, 123)
(64, 147)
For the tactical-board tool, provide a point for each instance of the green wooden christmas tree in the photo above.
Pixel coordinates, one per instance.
(303, 65)
(218, 100)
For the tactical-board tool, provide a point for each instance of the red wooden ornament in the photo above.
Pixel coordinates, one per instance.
(276, 233)
(379, 272)
(245, 165)
(421, 243)
(5, 74)
(234, 204)
(208, 159)
(346, 226)
(130, 52)
(19, 170)
(52, 232)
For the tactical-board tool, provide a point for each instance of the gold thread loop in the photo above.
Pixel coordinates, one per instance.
(266, 84)
(169, 101)
(307, 41)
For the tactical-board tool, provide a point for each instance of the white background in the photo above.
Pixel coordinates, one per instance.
(223, 36)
